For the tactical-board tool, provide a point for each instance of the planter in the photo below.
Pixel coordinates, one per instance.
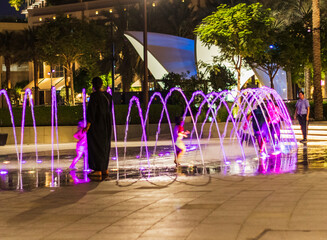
(3, 138)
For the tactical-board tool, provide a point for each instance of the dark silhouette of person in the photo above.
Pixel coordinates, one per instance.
(98, 129)
(260, 127)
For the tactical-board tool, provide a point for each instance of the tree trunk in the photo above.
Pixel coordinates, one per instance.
(238, 68)
(271, 80)
(36, 81)
(66, 85)
(289, 86)
(317, 94)
(238, 79)
(7, 64)
(70, 74)
(307, 82)
(8, 80)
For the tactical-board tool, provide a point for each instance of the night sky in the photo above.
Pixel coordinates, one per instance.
(6, 10)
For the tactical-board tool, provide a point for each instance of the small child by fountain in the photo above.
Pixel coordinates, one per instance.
(179, 134)
(81, 145)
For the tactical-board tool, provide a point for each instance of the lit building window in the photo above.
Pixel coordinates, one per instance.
(96, 12)
(125, 9)
(54, 17)
(153, 4)
(110, 10)
(68, 16)
(40, 19)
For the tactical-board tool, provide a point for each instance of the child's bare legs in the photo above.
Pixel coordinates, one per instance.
(78, 156)
(180, 154)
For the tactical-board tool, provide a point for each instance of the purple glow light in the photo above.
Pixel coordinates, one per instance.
(58, 170)
(86, 165)
(39, 161)
(23, 162)
(276, 153)
(115, 130)
(3, 172)
(114, 158)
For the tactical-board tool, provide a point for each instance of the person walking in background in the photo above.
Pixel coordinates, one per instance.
(98, 129)
(302, 113)
(179, 134)
(81, 145)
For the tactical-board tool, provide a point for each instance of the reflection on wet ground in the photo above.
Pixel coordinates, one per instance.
(312, 157)
(135, 167)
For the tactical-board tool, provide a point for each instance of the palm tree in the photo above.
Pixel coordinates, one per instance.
(8, 49)
(317, 94)
(31, 52)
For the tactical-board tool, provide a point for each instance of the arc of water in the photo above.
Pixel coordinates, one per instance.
(266, 92)
(28, 93)
(234, 126)
(4, 92)
(222, 97)
(213, 112)
(254, 96)
(243, 114)
(189, 108)
(86, 155)
(206, 100)
(54, 121)
(137, 102)
(269, 98)
(165, 110)
(285, 113)
(115, 130)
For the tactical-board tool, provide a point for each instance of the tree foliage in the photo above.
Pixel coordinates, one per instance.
(16, 4)
(238, 31)
(68, 40)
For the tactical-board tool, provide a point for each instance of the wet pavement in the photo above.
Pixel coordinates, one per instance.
(277, 201)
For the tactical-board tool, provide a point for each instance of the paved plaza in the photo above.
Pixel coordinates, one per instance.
(284, 206)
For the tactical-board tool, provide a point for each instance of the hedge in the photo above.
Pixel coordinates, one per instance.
(69, 115)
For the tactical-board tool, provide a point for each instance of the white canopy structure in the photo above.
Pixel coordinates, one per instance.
(46, 83)
(167, 53)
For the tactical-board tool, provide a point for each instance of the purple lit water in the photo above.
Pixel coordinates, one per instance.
(227, 148)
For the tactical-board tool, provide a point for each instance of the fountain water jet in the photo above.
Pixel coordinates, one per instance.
(229, 134)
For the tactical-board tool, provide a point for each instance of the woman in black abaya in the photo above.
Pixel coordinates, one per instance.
(98, 129)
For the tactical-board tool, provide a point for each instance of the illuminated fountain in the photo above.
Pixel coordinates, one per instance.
(234, 150)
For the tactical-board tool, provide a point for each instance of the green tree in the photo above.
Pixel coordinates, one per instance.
(30, 51)
(268, 58)
(9, 50)
(237, 31)
(219, 78)
(69, 40)
(16, 4)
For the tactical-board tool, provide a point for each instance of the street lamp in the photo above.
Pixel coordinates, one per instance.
(50, 74)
